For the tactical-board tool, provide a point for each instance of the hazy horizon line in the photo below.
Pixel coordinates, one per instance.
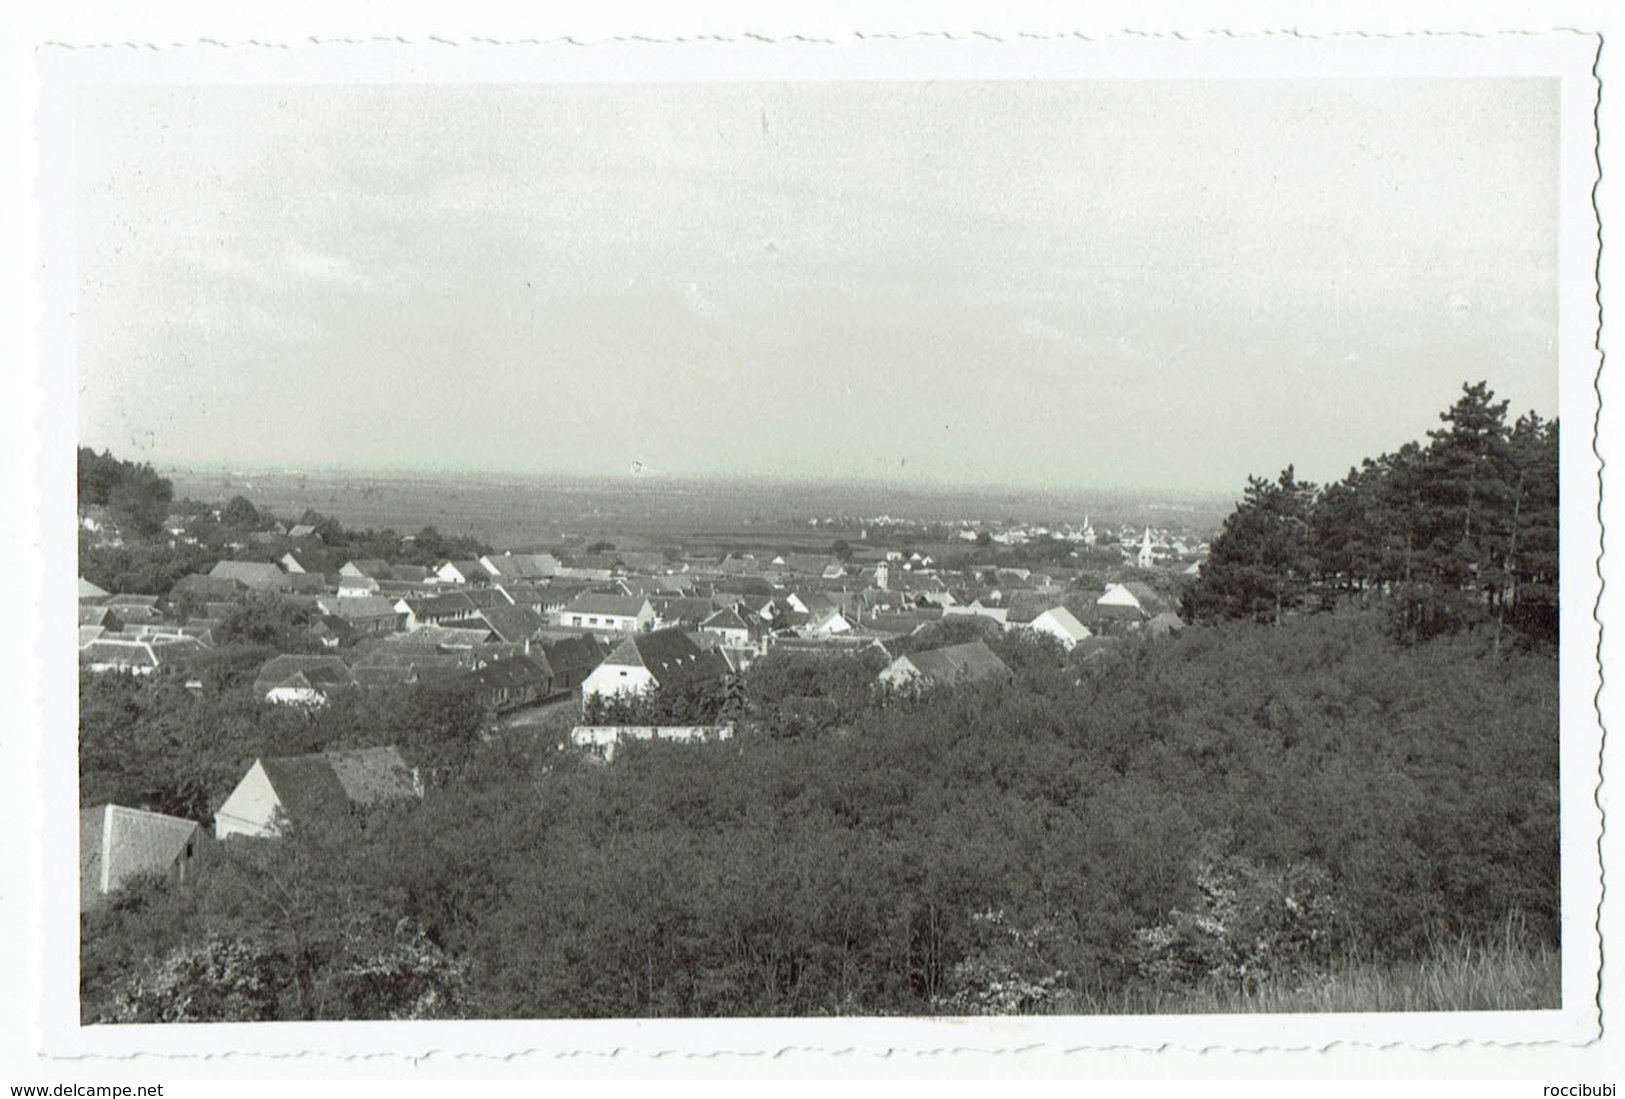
(764, 479)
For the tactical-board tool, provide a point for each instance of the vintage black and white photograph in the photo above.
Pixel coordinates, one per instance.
(661, 548)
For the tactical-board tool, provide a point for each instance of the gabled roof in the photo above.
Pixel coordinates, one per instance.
(440, 606)
(117, 843)
(513, 671)
(684, 608)
(670, 656)
(808, 564)
(132, 600)
(1118, 612)
(574, 654)
(355, 608)
(326, 779)
(458, 635)
(591, 602)
(149, 653)
(259, 575)
(1065, 621)
(1026, 606)
(969, 662)
(333, 626)
(512, 623)
(208, 587)
(725, 619)
(519, 566)
(524, 593)
(97, 616)
(318, 671)
(1147, 596)
(87, 590)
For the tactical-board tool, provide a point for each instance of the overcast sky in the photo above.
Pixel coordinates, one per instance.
(1078, 285)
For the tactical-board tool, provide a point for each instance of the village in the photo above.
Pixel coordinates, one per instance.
(569, 639)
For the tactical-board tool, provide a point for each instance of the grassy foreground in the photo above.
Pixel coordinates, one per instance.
(1505, 975)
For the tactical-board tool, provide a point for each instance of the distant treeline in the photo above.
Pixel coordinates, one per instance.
(136, 498)
(1459, 533)
(143, 559)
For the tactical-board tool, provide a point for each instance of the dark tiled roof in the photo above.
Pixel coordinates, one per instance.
(441, 606)
(588, 602)
(355, 608)
(574, 654)
(513, 671)
(255, 574)
(969, 662)
(319, 671)
(670, 656)
(207, 587)
(512, 623)
(724, 620)
(364, 777)
(128, 842)
(684, 609)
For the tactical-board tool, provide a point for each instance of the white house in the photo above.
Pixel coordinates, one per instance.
(521, 566)
(298, 679)
(967, 663)
(727, 625)
(461, 572)
(1061, 624)
(644, 661)
(357, 587)
(592, 610)
(281, 790)
(1117, 595)
(828, 624)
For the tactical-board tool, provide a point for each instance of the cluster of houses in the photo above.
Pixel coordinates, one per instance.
(528, 627)
(525, 629)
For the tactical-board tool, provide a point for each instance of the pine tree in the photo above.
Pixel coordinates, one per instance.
(1261, 564)
(1468, 497)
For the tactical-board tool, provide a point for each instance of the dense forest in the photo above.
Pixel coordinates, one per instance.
(1352, 758)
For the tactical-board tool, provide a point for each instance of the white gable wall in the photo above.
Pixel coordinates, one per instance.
(610, 680)
(899, 673)
(1116, 595)
(1068, 634)
(252, 808)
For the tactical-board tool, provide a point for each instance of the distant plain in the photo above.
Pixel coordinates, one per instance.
(642, 511)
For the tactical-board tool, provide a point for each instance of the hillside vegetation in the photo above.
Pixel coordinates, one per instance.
(1337, 791)
(1230, 811)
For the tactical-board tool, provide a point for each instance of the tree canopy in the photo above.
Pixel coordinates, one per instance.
(1458, 533)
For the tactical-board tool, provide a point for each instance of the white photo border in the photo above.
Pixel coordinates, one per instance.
(1568, 57)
